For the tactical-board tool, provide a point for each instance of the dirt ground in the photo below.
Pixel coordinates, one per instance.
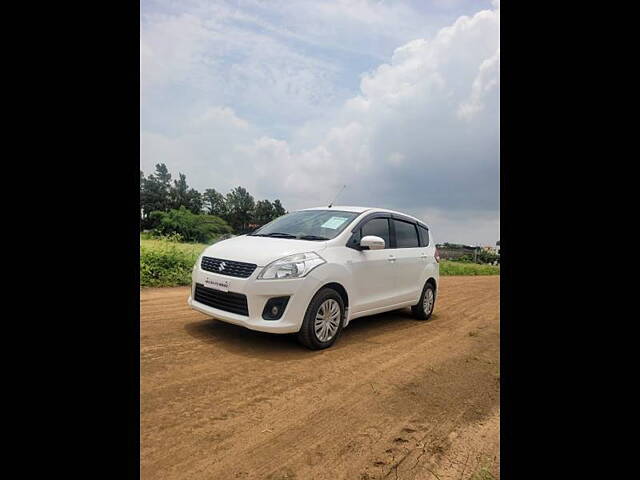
(393, 398)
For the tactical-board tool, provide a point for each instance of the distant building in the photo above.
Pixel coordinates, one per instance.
(453, 251)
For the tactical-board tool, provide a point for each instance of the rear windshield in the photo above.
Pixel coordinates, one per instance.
(308, 225)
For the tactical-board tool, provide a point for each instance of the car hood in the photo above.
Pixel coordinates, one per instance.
(261, 250)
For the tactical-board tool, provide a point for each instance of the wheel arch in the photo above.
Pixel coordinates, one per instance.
(338, 287)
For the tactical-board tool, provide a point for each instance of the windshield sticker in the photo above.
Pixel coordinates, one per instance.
(334, 222)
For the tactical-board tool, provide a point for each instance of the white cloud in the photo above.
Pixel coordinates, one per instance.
(220, 117)
(396, 158)
(169, 49)
(220, 55)
(488, 79)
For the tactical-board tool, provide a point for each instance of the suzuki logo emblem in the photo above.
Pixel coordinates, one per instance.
(222, 265)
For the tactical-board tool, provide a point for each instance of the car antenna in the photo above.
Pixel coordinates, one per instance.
(335, 198)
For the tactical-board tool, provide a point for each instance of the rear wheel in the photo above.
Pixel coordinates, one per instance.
(424, 308)
(323, 320)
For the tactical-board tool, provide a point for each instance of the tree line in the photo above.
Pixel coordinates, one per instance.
(164, 200)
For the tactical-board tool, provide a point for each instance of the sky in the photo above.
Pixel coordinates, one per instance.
(292, 99)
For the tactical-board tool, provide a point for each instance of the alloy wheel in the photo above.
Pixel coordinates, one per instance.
(427, 302)
(327, 320)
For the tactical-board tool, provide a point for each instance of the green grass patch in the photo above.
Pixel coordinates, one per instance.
(165, 263)
(448, 268)
(482, 474)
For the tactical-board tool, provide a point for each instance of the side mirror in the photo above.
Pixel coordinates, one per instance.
(371, 242)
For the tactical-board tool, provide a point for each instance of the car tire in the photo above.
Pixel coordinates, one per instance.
(424, 308)
(319, 329)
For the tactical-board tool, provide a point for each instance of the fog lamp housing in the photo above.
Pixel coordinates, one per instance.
(274, 308)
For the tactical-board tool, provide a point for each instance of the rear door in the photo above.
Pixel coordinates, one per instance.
(374, 271)
(410, 260)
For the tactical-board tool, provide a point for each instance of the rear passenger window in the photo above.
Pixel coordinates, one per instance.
(406, 234)
(378, 227)
(424, 236)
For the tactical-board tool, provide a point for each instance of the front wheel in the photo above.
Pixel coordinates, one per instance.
(424, 308)
(323, 320)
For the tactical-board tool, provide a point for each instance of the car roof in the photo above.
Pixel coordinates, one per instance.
(356, 209)
(341, 207)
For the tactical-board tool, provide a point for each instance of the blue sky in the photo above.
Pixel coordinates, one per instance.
(397, 99)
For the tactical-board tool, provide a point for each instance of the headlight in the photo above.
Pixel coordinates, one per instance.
(293, 266)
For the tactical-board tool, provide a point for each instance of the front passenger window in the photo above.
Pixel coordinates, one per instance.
(378, 227)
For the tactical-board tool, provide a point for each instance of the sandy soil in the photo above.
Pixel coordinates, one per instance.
(393, 398)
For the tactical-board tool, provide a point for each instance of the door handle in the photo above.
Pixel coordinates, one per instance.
(391, 258)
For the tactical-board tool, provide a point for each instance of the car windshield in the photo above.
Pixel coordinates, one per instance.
(307, 225)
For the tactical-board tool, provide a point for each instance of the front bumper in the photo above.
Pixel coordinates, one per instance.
(258, 292)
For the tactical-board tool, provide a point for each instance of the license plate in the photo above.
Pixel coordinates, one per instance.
(222, 285)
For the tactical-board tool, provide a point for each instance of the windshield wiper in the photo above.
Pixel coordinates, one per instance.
(273, 234)
(312, 237)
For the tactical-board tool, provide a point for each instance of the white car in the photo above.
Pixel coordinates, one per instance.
(313, 271)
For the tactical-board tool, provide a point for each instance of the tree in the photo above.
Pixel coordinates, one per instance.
(163, 175)
(154, 193)
(194, 201)
(179, 192)
(240, 205)
(264, 212)
(278, 209)
(191, 227)
(214, 202)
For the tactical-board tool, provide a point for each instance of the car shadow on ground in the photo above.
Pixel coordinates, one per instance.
(361, 332)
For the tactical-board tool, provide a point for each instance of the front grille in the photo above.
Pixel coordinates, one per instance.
(227, 301)
(229, 267)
